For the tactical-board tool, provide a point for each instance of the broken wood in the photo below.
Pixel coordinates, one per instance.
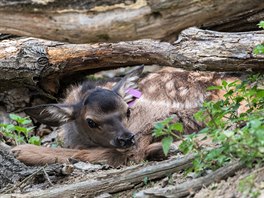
(42, 64)
(116, 182)
(93, 21)
(186, 188)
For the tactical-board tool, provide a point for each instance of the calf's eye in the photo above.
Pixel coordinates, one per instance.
(91, 123)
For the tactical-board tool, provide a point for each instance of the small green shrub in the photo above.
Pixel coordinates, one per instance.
(259, 49)
(167, 130)
(236, 135)
(20, 131)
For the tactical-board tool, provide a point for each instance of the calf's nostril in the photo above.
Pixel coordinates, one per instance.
(121, 141)
(126, 141)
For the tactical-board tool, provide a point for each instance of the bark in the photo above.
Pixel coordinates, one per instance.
(186, 188)
(42, 65)
(10, 168)
(13, 173)
(93, 21)
(245, 21)
(119, 181)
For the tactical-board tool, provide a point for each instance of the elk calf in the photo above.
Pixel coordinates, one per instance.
(99, 124)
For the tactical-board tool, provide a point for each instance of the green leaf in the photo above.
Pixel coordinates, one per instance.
(229, 93)
(214, 88)
(3, 125)
(261, 24)
(20, 129)
(259, 49)
(14, 117)
(199, 115)
(159, 126)
(166, 142)
(224, 83)
(233, 84)
(20, 139)
(177, 127)
(26, 121)
(29, 129)
(260, 94)
(255, 124)
(34, 140)
(204, 130)
(10, 127)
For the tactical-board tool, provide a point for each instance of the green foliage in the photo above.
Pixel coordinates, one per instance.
(259, 49)
(145, 180)
(19, 132)
(261, 24)
(237, 135)
(248, 187)
(168, 130)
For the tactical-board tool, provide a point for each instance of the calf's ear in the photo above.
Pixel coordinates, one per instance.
(52, 114)
(129, 81)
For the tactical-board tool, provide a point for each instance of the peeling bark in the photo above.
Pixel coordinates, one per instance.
(93, 21)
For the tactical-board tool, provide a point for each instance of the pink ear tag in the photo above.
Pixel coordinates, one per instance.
(135, 93)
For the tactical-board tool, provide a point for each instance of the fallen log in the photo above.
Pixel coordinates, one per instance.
(186, 188)
(116, 182)
(44, 64)
(242, 22)
(93, 21)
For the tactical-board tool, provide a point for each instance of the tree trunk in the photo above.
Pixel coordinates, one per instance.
(93, 21)
(42, 64)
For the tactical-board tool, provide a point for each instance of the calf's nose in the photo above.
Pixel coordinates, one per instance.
(126, 141)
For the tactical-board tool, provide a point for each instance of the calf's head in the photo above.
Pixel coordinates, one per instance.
(100, 114)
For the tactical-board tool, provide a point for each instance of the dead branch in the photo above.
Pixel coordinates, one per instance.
(119, 181)
(186, 188)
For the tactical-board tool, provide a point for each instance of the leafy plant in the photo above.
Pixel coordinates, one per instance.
(167, 130)
(259, 49)
(261, 24)
(20, 131)
(237, 135)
